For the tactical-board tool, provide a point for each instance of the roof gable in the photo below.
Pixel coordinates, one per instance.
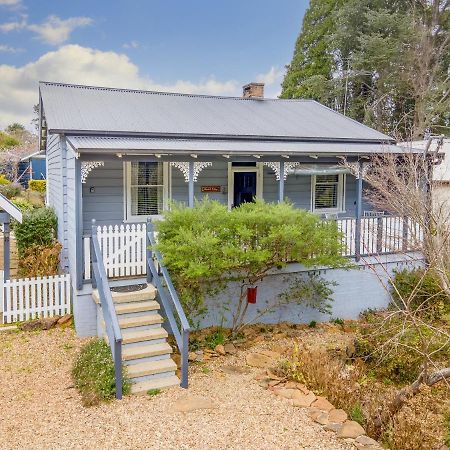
(84, 109)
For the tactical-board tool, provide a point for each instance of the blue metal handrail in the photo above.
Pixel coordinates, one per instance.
(100, 280)
(169, 299)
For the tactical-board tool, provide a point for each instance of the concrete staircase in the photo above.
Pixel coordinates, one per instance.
(145, 350)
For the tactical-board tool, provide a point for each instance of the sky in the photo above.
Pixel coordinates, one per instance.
(196, 46)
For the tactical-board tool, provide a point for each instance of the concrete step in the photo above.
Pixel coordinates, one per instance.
(145, 351)
(144, 335)
(149, 293)
(148, 319)
(135, 307)
(151, 368)
(157, 383)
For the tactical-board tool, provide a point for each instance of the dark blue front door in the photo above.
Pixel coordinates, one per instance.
(244, 187)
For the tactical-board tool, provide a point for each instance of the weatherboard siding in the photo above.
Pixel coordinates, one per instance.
(106, 203)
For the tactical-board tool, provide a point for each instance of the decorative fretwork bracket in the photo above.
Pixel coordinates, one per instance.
(87, 166)
(275, 166)
(184, 168)
(354, 169)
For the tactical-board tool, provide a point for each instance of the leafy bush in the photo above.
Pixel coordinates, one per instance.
(7, 141)
(40, 260)
(422, 291)
(22, 204)
(207, 246)
(3, 180)
(38, 185)
(93, 373)
(10, 190)
(401, 364)
(37, 228)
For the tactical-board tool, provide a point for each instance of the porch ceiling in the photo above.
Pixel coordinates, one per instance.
(204, 147)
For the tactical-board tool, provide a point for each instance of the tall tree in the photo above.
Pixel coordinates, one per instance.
(387, 63)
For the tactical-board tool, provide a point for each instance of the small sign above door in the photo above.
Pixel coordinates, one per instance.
(210, 189)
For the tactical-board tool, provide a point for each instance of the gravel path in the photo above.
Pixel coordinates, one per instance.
(41, 409)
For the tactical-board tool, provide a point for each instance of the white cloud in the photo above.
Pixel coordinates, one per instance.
(8, 49)
(10, 2)
(132, 44)
(14, 26)
(53, 30)
(81, 65)
(56, 31)
(272, 80)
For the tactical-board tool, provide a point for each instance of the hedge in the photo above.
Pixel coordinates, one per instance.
(38, 185)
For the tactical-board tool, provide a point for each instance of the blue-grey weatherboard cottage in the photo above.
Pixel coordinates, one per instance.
(117, 157)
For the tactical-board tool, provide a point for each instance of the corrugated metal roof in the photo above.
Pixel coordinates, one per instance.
(223, 146)
(107, 110)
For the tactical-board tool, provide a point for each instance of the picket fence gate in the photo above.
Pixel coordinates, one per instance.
(123, 248)
(33, 298)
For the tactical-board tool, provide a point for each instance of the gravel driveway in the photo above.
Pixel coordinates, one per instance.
(41, 409)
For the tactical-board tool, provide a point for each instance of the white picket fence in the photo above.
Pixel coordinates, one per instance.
(123, 248)
(32, 298)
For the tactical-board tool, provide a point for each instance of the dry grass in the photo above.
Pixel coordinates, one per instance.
(418, 426)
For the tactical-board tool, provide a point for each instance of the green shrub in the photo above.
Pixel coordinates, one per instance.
(7, 141)
(93, 373)
(22, 204)
(10, 190)
(4, 181)
(37, 228)
(207, 246)
(422, 290)
(400, 365)
(38, 185)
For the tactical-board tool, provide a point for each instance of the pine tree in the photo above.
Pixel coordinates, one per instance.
(382, 62)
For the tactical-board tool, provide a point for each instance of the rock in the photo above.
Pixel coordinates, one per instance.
(49, 322)
(303, 400)
(264, 384)
(270, 354)
(272, 376)
(321, 418)
(273, 383)
(285, 393)
(337, 416)
(189, 404)
(192, 356)
(333, 427)
(350, 429)
(323, 404)
(258, 360)
(230, 348)
(220, 349)
(31, 325)
(64, 319)
(258, 339)
(235, 370)
(367, 441)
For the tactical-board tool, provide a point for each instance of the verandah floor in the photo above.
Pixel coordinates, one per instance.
(41, 409)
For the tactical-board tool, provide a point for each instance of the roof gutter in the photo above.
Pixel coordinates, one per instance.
(216, 137)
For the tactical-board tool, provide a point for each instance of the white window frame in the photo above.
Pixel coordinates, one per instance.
(127, 193)
(340, 195)
(259, 169)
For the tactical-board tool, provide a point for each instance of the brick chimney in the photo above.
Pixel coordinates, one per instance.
(253, 90)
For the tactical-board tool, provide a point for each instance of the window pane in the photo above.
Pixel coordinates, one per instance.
(326, 192)
(146, 188)
(146, 173)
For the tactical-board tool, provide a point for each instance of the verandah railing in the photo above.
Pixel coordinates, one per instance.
(123, 247)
